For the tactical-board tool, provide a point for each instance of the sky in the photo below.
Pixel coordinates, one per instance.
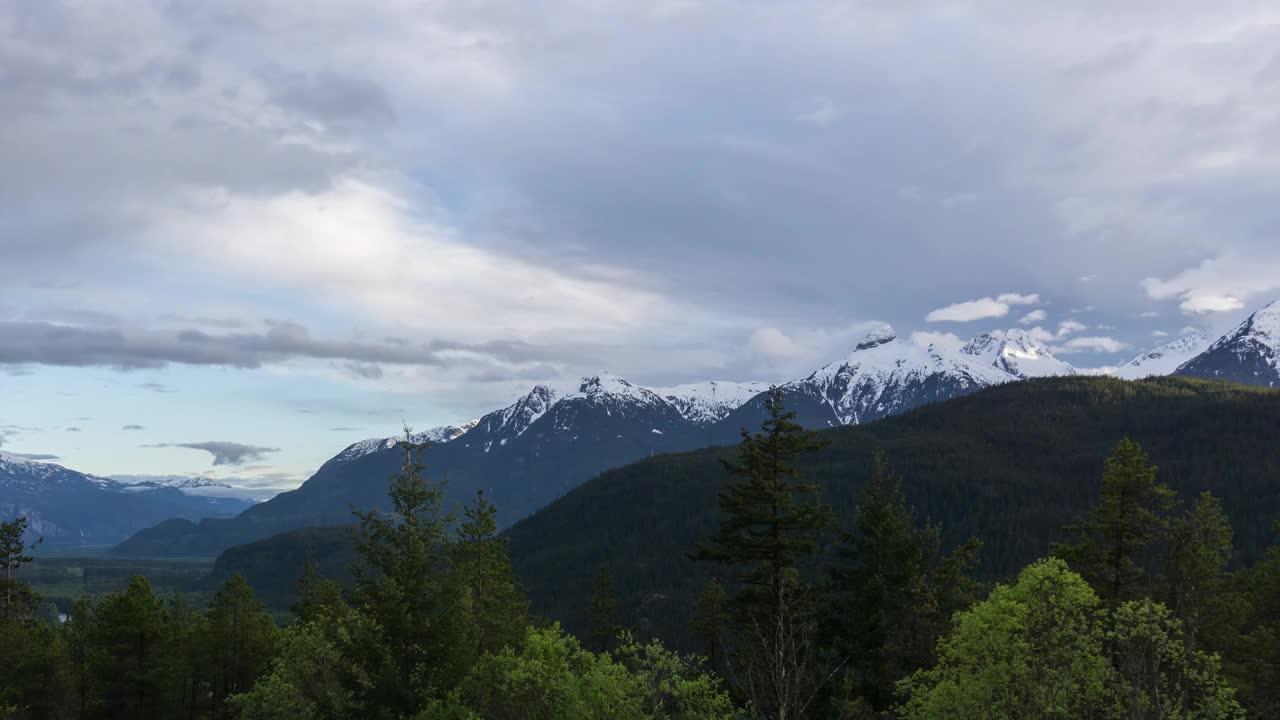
(237, 236)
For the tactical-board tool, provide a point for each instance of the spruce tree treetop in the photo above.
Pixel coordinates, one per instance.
(1119, 533)
(771, 518)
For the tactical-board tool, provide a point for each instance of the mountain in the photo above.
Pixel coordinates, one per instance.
(73, 508)
(883, 376)
(1010, 464)
(523, 456)
(177, 482)
(1164, 359)
(1015, 352)
(1249, 354)
(548, 442)
(709, 402)
(436, 436)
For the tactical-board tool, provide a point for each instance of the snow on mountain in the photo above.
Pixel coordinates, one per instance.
(1015, 352)
(609, 388)
(885, 375)
(179, 482)
(20, 473)
(513, 420)
(436, 436)
(707, 402)
(1164, 359)
(1248, 354)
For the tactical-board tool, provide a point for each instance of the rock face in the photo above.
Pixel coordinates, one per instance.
(1249, 354)
(69, 508)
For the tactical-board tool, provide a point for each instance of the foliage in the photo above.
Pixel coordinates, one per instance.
(18, 599)
(605, 623)
(1118, 537)
(770, 525)
(1010, 466)
(890, 595)
(549, 676)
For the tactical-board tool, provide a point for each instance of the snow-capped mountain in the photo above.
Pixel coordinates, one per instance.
(549, 441)
(1015, 352)
(1249, 354)
(884, 375)
(1164, 359)
(436, 436)
(67, 507)
(708, 402)
(178, 482)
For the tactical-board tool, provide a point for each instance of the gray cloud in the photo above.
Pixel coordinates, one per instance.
(81, 346)
(34, 456)
(679, 152)
(223, 452)
(133, 427)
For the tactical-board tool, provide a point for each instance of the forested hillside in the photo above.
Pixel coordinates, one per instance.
(1009, 465)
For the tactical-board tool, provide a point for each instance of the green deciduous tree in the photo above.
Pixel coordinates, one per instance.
(1033, 649)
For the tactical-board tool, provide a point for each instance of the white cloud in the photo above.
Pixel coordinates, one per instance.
(824, 112)
(1159, 333)
(942, 340)
(1225, 283)
(1034, 316)
(1066, 327)
(1100, 344)
(773, 343)
(1018, 299)
(981, 309)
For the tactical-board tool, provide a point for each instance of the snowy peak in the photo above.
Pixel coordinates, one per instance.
(178, 482)
(1017, 353)
(707, 402)
(885, 376)
(436, 436)
(1164, 359)
(876, 337)
(1248, 354)
(607, 387)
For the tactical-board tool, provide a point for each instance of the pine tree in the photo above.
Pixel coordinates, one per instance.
(1195, 584)
(318, 599)
(400, 585)
(603, 611)
(77, 633)
(1119, 535)
(240, 640)
(127, 662)
(492, 600)
(770, 526)
(711, 617)
(18, 598)
(882, 608)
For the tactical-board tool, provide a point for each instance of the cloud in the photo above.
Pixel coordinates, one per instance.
(73, 429)
(133, 427)
(223, 452)
(1092, 344)
(33, 456)
(824, 112)
(1066, 327)
(1159, 333)
(773, 343)
(1034, 316)
(79, 346)
(981, 308)
(942, 340)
